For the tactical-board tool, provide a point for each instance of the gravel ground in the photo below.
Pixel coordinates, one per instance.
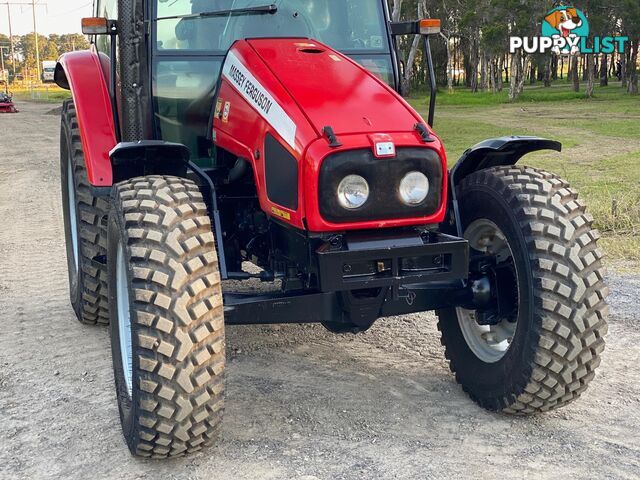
(301, 403)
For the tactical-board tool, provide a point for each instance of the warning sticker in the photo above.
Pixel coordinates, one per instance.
(225, 112)
(258, 96)
(280, 213)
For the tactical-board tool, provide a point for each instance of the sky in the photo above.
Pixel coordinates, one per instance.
(52, 16)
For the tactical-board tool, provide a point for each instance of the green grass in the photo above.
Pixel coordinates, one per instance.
(601, 147)
(558, 92)
(49, 94)
(466, 97)
(610, 186)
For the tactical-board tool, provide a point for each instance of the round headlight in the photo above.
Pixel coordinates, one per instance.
(353, 191)
(414, 188)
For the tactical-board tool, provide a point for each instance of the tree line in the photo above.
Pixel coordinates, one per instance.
(23, 64)
(473, 49)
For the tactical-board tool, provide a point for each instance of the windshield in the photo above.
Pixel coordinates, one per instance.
(346, 25)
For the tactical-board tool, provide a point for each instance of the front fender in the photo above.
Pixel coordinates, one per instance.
(83, 74)
(493, 152)
(498, 152)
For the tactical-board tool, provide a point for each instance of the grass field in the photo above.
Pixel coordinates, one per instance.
(601, 147)
(49, 93)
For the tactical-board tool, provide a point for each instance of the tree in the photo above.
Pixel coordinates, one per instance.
(26, 48)
(408, 47)
(5, 44)
(628, 12)
(475, 39)
(49, 51)
(70, 42)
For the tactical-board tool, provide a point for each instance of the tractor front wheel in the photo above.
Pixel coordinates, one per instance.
(167, 325)
(539, 347)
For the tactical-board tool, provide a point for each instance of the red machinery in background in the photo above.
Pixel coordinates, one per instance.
(6, 103)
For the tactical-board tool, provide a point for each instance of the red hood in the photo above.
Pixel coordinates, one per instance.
(334, 91)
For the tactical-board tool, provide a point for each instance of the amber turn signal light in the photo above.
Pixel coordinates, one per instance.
(430, 26)
(95, 26)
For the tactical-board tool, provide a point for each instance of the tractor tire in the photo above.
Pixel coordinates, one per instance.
(84, 227)
(167, 325)
(557, 330)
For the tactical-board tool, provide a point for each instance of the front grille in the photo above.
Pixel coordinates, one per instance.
(384, 176)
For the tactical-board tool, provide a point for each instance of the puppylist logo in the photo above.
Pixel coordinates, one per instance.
(565, 30)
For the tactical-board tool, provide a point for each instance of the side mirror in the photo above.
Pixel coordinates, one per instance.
(98, 26)
(425, 27)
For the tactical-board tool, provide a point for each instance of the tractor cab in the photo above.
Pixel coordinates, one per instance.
(190, 39)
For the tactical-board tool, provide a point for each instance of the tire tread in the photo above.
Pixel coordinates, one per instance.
(92, 212)
(178, 314)
(569, 289)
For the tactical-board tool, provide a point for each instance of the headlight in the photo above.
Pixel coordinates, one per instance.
(353, 191)
(414, 188)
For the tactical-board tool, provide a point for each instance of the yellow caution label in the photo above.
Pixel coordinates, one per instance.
(280, 213)
(218, 108)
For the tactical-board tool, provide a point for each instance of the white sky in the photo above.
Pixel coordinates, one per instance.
(52, 16)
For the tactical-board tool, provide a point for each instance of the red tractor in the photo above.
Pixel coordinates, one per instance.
(204, 136)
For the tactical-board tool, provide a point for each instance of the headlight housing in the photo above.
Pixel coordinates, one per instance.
(414, 188)
(353, 192)
(383, 177)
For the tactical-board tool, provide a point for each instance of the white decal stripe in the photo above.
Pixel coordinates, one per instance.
(259, 98)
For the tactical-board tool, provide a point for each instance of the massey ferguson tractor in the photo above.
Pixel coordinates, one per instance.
(215, 141)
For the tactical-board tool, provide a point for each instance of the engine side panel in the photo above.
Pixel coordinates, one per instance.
(82, 73)
(252, 104)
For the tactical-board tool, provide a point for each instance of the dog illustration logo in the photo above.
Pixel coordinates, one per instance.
(565, 22)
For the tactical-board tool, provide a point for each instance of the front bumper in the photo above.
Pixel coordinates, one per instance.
(365, 276)
(366, 261)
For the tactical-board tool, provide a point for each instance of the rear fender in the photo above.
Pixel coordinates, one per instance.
(82, 72)
(493, 152)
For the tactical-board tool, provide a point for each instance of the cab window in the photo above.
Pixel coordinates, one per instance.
(106, 9)
(346, 25)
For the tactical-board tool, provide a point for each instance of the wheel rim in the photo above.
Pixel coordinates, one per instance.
(490, 343)
(73, 215)
(124, 319)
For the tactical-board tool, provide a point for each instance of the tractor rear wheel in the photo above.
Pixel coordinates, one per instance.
(167, 325)
(85, 232)
(540, 349)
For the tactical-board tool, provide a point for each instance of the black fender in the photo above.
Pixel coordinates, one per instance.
(490, 153)
(148, 157)
(156, 157)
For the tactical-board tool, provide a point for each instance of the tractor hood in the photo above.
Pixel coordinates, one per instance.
(294, 109)
(332, 90)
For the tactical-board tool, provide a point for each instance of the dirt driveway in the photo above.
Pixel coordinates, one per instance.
(301, 403)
